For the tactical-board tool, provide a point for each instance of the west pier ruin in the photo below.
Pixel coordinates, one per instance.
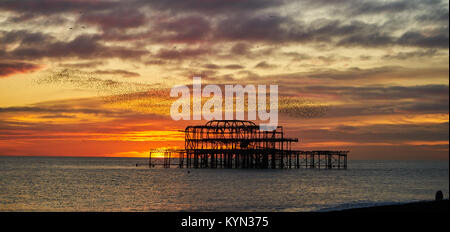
(241, 144)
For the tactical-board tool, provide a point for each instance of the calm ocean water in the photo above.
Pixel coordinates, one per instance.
(116, 184)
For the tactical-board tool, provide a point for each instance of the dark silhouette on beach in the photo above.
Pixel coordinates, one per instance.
(439, 196)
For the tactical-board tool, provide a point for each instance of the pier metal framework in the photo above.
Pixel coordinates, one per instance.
(241, 144)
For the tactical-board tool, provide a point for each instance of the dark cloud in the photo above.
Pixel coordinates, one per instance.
(175, 54)
(373, 7)
(422, 53)
(418, 39)
(346, 128)
(340, 33)
(383, 72)
(284, 29)
(379, 100)
(234, 66)
(439, 15)
(48, 7)
(373, 35)
(230, 66)
(259, 28)
(296, 56)
(426, 107)
(211, 6)
(122, 73)
(155, 62)
(211, 66)
(8, 68)
(24, 37)
(83, 46)
(371, 39)
(388, 133)
(370, 7)
(118, 18)
(265, 65)
(37, 19)
(87, 64)
(386, 109)
(184, 29)
(240, 49)
(418, 93)
(365, 57)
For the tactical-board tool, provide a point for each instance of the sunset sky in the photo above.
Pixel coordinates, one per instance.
(91, 78)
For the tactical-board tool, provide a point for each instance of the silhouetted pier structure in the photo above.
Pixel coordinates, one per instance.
(241, 144)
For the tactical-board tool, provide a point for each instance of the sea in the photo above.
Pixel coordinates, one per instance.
(60, 184)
